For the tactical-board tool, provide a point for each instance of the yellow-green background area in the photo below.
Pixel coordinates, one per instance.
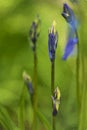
(16, 56)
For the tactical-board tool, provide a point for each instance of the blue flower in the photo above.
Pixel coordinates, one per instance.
(52, 42)
(56, 101)
(69, 47)
(69, 15)
(34, 32)
(72, 34)
(29, 86)
(28, 82)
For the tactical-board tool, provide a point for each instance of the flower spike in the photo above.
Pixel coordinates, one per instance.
(52, 41)
(69, 15)
(34, 32)
(56, 101)
(28, 82)
(72, 34)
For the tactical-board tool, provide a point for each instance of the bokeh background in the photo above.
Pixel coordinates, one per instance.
(16, 56)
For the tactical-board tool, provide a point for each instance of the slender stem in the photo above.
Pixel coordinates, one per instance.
(78, 72)
(82, 124)
(54, 122)
(82, 121)
(52, 76)
(82, 89)
(52, 90)
(34, 103)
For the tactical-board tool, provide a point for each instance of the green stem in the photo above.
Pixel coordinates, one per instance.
(78, 72)
(83, 110)
(52, 76)
(83, 114)
(34, 103)
(82, 122)
(82, 89)
(52, 90)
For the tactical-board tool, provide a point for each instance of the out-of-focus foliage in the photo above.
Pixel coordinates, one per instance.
(5, 120)
(16, 56)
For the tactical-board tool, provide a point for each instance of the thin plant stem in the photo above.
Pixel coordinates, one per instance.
(34, 102)
(82, 124)
(82, 89)
(78, 71)
(52, 90)
(52, 76)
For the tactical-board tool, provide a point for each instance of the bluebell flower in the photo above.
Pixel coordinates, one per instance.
(52, 41)
(69, 47)
(28, 82)
(34, 32)
(72, 34)
(69, 16)
(56, 101)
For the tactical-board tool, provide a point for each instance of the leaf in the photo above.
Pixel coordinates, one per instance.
(5, 120)
(43, 120)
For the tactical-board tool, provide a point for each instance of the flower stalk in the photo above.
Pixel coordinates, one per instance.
(33, 36)
(83, 92)
(78, 72)
(52, 45)
(34, 98)
(52, 91)
(73, 39)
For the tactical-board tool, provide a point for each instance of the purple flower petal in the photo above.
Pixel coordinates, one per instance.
(69, 48)
(30, 87)
(52, 44)
(69, 15)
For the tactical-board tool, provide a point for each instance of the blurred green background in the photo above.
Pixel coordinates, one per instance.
(16, 56)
